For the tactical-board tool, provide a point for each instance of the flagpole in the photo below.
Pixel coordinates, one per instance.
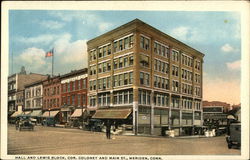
(52, 62)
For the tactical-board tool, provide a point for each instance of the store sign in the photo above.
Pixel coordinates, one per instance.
(74, 78)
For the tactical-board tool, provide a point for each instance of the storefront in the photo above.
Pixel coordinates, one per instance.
(53, 115)
(121, 118)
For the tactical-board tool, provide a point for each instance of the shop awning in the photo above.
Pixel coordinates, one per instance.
(112, 114)
(16, 114)
(77, 113)
(36, 113)
(214, 116)
(50, 113)
(26, 113)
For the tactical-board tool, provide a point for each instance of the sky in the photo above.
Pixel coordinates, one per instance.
(216, 34)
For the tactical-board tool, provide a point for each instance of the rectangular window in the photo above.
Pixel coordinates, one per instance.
(120, 45)
(115, 47)
(131, 41)
(125, 97)
(108, 82)
(126, 79)
(155, 65)
(120, 62)
(104, 67)
(159, 82)
(142, 42)
(104, 83)
(144, 101)
(148, 98)
(108, 66)
(126, 42)
(131, 60)
(141, 78)
(104, 51)
(121, 79)
(109, 49)
(90, 85)
(155, 81)
(130, 96)
(147, 79)
(115, 98)
(99, 68)
(68, 101)
(100, 53)
(125, 61)
(146, 44)
(158, 65)
(144, 60)
(68, 87)
(120, 100)
(115, 63)
(131, 78)
(115, 80)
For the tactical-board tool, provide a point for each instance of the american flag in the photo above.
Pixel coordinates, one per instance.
(49, 53)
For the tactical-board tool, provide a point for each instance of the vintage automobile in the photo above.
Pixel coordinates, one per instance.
(24, 124)
(234, 135)
(95, 125)
(49, 122)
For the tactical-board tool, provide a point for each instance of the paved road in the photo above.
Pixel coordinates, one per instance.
(61, 141)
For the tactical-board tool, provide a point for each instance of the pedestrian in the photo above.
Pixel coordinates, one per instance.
(108, 127)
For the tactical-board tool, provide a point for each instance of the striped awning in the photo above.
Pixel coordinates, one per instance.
(77, 113)
(36, 113)
(16, 114)
(26, 113)
(50, 114)
(112, 114)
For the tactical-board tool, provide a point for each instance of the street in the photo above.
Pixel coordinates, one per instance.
(63, 141)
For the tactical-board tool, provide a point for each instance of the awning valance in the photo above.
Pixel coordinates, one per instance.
(214, 116)
(77, 113)
(50, 113)
(112, 114)
(16, 114)
(36, 113)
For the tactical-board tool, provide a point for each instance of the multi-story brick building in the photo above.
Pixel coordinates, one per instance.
(52, 98)
(73, 94)
(16, 83)
(34, 98)
(137, 68)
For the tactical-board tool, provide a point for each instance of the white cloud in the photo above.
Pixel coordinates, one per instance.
(104, 26)
(234, 65)
(52, 24)
(84, 17)
(187, 34)
(180, 32)
(44, 38)
(70, 55)
(34, 60)
(228, 48)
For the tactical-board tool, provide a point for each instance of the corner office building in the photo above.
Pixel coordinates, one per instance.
(139, 69)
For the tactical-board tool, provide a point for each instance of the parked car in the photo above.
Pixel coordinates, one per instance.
(95, 125)
(234, 135)
(49, 122)
(24, 124)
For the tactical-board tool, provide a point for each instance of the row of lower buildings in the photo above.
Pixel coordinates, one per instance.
(39, 95)
(138, 76)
